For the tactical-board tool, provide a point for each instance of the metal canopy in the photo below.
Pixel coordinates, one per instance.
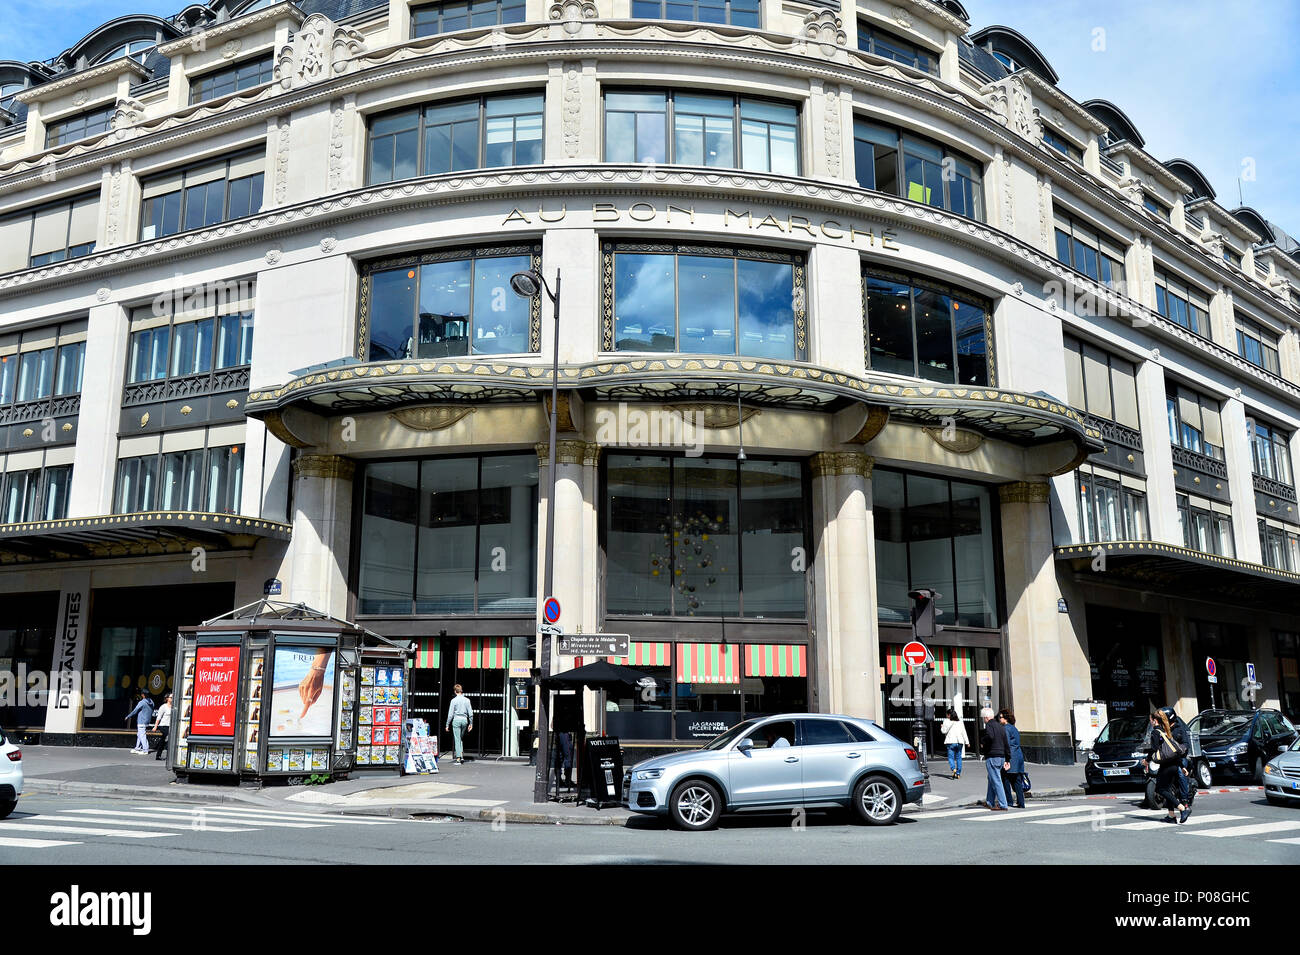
(133, 535)
(1181, 572)
(1022, 419)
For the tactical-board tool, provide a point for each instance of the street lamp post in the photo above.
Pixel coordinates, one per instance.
(527, 285)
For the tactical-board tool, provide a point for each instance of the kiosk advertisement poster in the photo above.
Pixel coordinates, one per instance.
(216, 673)
(302, 696)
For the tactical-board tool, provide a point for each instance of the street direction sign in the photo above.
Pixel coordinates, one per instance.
(551, 610)
(550, 630)
(594, 645)
(915, 654)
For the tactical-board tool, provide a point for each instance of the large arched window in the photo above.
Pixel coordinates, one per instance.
(137, 50)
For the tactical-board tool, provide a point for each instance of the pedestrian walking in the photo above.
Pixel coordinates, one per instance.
(997, 757)
(955, 739)
(1169, 753)
(1013, 779)
(162, 724)
(460, 720)
(1186, 784)
(143, 713)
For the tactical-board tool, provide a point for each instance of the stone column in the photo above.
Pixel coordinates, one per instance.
(322, 532)
(1241, 482)
(1158, 455)
(68, 662)
(98, 421)
(847, 678)
(1033, 669)
(577, 554)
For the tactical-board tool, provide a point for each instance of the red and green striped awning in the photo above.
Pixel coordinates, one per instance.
(428, 653)
(708, 663)
(483, 653)
(646, 655)
(776, 659)
(894, 663)
(954, 661)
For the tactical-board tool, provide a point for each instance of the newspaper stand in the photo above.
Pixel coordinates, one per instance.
(276, 691)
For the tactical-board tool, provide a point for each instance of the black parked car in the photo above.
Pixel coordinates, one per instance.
(1116, 757)
(1235, 744)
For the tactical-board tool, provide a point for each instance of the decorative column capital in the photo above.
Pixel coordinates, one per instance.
(569, 452)
(1025, 492)
(324, 466)
(832, 463)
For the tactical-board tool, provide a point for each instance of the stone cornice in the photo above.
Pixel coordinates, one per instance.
(606, 179)
(1225, 219)
(930, 12)
(239, 26)
(1151, 165)
(86, 77)
(1040, 87)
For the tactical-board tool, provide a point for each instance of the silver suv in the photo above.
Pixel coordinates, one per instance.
(813, 760)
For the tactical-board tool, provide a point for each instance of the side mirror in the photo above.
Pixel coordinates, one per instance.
(745, 745)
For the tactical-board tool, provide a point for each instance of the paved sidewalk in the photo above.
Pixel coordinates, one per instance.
(486, 790)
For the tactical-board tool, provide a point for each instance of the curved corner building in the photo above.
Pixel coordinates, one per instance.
(258, 335)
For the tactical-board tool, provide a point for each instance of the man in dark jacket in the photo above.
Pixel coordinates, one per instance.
(997, 757)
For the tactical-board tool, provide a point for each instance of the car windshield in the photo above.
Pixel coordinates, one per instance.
(1123, 730)
(723, 741)
(1222, 724)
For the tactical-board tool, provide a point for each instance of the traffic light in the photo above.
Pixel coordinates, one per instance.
(923, 612)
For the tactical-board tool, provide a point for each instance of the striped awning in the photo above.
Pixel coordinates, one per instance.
(428, 653)
(954, 661)
(708, 663)
(776, 659)
(482, 653)
(894, 664)
(646, 655)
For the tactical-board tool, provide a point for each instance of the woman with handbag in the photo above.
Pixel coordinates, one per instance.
(1170, 753)
(1014, 778)
(955, 738)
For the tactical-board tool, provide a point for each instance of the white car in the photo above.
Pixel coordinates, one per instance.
(11, 774)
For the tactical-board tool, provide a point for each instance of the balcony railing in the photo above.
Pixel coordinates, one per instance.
(1199, 462)
(1274, 488)
(1115, 433)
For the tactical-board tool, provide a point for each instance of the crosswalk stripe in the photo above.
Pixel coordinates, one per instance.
(1251, 830)
(251, 821)
(927, 814)
(82, 830)
(34, 843)
(1192, 820)
(235, 814)
(1096, 815)
(121, 817)
(990, 816)
(1286, 842)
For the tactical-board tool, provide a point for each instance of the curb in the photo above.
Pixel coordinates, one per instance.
(60, 787)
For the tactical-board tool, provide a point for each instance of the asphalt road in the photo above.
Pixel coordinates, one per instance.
(1226, 828)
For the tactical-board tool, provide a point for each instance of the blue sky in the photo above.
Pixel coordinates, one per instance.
(1211, 81)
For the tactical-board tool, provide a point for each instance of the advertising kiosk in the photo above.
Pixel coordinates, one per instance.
(278, 690)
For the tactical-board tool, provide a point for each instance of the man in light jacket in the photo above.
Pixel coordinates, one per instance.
(460, 720)
(143, 713)
(163, 722)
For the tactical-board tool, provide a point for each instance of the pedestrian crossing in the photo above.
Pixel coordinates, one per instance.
(73, 827)
(1111, 816)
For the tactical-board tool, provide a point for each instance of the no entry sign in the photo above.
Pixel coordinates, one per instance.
(551, 610)
(915, 654)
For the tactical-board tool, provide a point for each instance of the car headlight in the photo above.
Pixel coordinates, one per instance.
(1271, 770)
(1138, 754)
(1092, 756)
(1236, 749)
(649, 773)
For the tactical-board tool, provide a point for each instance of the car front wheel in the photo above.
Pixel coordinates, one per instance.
(878, 800)
(1204, 777)
(695, 806)
(7, 806)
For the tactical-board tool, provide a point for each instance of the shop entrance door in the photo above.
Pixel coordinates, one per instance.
(1127, 666)
(478, 665)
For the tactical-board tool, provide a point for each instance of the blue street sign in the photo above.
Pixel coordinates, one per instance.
(551, 610)
(1250, 672)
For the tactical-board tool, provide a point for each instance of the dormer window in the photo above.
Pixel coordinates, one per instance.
(7, 93)
(1231, 257)
(1155, 206)
(1006, 61)
(1061, 144)
(137, 50)
(81, 126)
(878, 42)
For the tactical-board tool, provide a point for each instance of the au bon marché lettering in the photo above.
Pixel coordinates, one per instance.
(673, 214)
